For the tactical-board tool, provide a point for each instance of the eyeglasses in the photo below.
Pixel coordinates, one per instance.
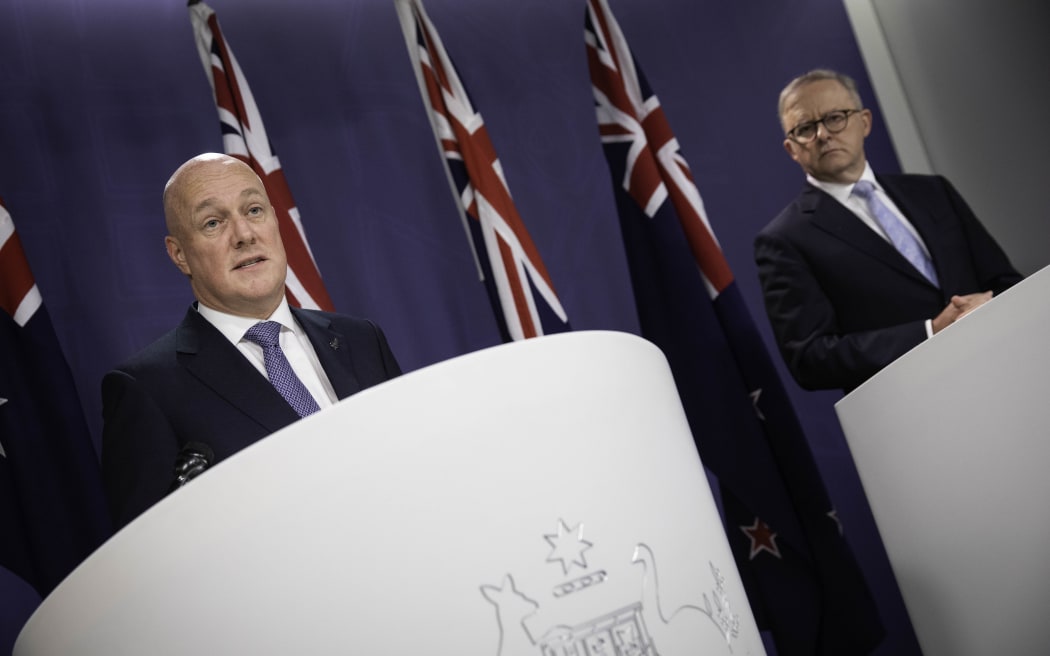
(833, 122)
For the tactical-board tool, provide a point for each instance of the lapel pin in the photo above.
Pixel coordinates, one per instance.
(334, 343)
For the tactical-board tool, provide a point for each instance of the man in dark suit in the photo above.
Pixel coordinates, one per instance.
(207, 382)
(842, 267)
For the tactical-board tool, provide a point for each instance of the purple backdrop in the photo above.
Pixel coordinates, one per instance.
(101, 100)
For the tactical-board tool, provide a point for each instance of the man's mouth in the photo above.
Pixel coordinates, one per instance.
(248, 263)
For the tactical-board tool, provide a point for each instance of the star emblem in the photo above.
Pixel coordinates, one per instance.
(762, 537)
(567, 546)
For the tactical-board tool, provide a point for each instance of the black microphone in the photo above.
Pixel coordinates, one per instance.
(193, 459)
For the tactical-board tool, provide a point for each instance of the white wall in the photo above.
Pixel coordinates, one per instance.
(964, 86)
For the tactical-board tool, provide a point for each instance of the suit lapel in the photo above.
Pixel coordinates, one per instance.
(831, 216)
(217, 363)
(333, 351)
(922, 218)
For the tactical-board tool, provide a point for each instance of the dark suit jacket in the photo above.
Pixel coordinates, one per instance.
(843, 303)
(193, 385)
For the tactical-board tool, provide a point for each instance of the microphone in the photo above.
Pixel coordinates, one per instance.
(192, 460)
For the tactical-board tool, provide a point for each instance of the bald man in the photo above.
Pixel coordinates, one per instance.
(208, 380)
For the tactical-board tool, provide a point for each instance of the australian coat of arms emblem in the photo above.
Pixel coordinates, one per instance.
(574, 618)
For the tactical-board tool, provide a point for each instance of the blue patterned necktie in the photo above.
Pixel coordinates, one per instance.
(902, 238)
(278, 370)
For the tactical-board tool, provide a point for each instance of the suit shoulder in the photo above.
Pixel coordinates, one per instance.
(163, 351)
(918, 181)
(343, 323)
(159, 353)
(793, 216)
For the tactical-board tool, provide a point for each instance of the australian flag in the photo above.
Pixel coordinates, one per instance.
(515, 277)
(805, 588)
(52, 509)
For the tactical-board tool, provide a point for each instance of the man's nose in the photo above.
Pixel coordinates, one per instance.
(243, 231)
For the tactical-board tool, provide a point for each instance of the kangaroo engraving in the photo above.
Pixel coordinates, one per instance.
(512, 609)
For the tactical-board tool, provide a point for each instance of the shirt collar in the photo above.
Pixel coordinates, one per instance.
(233, 327)
(841, 192)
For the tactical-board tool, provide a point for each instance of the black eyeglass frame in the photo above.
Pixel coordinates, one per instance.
(793, 132)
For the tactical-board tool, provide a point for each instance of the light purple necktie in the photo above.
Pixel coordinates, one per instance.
(266, 334)
(905, 242)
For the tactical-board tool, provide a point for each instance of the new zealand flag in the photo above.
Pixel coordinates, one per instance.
(804, 585)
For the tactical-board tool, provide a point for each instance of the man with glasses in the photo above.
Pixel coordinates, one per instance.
(860, 268)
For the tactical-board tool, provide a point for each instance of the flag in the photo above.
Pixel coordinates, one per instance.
(52, 506)
(244, 137)
(802, 580)
(515, 277)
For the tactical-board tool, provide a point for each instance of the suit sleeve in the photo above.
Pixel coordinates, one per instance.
(139, 448)
(817, 352)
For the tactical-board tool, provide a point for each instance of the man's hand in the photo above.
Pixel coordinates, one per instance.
(959, 307)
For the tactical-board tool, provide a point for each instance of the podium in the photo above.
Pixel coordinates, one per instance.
(540, 497)
(952, 445)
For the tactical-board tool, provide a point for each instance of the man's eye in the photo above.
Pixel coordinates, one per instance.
(805, 129)
(834, 119)
(211, 224)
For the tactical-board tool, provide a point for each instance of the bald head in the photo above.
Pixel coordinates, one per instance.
(223, 234)
(188, 176)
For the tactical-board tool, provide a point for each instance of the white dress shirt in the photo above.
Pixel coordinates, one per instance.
(296, 346)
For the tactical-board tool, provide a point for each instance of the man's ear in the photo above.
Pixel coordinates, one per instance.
(177, 255)
(789, 147)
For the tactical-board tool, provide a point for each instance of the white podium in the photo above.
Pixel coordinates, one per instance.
(952, 444)
(518, 500)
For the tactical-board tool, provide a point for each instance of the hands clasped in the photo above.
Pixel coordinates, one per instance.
(959, 307)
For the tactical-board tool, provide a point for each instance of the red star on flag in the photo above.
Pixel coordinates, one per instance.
(762, 538)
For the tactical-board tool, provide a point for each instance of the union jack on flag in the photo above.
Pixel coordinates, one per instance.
(244, 137)
(519, 286)
(802, 581)
(656, 171)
